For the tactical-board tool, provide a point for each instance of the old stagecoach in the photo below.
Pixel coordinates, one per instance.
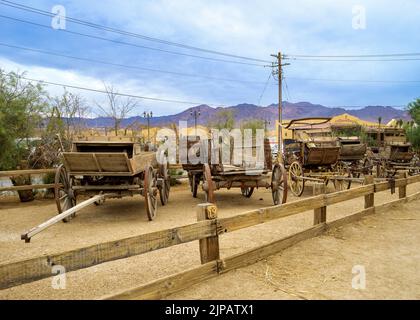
(312, 155)
(353, 157)
(245, 175)
(390, 152)
(115, 168)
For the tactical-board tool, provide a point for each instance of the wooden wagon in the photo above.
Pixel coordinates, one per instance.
(246, 175)
(312, 154)
(115, 168)
(390, 152)
(353, 158)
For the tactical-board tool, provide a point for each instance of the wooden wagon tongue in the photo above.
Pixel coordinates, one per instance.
(34, 231)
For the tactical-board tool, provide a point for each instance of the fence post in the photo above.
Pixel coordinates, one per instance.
(402, 190)
(209, 247)
(369, 198)
(320, 214)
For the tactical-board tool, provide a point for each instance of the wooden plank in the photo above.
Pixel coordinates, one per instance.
(402, 190)
(163, 287)
(16, 273)
(14, 173)
(28, 187)
(349, 194)
(369, 198)
(108, 187)
(413, 179)
(209, 247)
(351, 218)
(39, 267)
(102, 174)
(263, 215)
(168, 285)
(320, 214)
(80, 161)
(264, 251)
(113, 162)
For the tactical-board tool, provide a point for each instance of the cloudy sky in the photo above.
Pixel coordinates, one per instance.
(253, 29)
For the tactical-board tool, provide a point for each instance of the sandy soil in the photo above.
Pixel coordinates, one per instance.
(385, 246)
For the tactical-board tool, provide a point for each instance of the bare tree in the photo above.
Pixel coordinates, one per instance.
(117, 108)
(70, 109)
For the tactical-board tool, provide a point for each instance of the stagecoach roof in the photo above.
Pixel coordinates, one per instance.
(307, 123)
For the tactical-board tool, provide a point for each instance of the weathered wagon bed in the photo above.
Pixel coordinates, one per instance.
(247, 175)
(106, 169)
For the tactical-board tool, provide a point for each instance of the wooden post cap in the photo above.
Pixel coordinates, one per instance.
(211, 212)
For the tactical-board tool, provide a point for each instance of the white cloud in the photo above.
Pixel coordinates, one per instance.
(119, 83)
(257, 29)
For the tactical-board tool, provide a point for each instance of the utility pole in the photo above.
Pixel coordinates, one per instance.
(195, 114)
(279, 72)
(148, 115)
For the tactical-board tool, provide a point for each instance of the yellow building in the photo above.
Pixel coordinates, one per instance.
(343, 120)
(346, 119)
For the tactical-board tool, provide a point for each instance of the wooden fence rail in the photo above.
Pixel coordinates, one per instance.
(208, 229)
(15, 173)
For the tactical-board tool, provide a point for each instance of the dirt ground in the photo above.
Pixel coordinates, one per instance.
(386, 244)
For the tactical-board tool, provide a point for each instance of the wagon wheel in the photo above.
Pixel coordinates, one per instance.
(150, 192)
(247, 191)
(279, 184)
(208, 186)
(297, 183)
(342, 169)
(194, 184)
(65, 197)
(166, 184)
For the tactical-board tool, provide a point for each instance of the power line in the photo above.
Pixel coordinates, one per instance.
(264, 89)
(47, 52)
(63, 55)
(116, 93)
(353, 60)
(287, 90)
(127, 33)
(129, 43)
(355, 56)
(356, 80)
(177, 44)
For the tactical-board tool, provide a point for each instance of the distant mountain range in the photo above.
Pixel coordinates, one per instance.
(246, 111)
